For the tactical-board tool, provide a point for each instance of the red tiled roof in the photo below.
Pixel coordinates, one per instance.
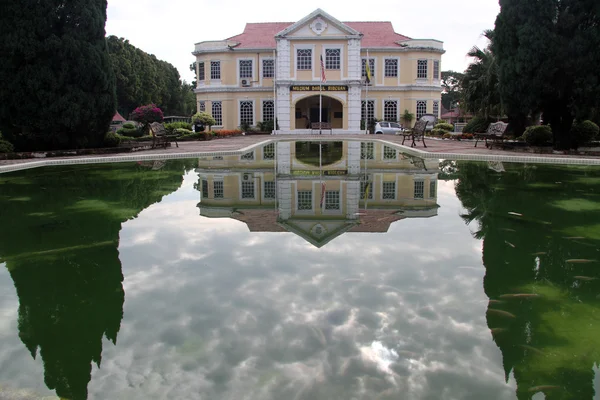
(262, 35)
(455, 114)
(118, 118)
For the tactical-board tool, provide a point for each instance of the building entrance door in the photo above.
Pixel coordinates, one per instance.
(314, 115)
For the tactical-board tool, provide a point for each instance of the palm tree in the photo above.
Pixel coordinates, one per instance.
(480, 89)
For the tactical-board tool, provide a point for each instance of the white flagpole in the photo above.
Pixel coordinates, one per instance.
(320, 93)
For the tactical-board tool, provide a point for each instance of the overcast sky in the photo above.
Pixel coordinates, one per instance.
(169, 29)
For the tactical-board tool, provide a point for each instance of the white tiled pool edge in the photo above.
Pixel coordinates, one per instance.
(406, 149)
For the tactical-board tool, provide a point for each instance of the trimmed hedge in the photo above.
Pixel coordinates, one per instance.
(173, 126)
(477, 124)
(111, 140)
(6, 146)
(444, 126)
(135, 133)
(538, 135)
(129, 125)
(583, 133)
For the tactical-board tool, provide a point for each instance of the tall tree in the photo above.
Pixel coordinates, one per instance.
(547, 59)
(58, 87)
(143, 79)
(480, 89)
(451, 90)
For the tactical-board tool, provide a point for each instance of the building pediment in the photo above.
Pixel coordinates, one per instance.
(318, 24)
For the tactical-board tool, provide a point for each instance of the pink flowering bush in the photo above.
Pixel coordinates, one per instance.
(147, 114)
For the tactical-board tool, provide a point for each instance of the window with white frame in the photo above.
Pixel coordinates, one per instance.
(390, 110)
(304, 59)
(371, 66)
(269, 190)
(247, 156)
(218, 189)
(268, 110)
(421, 69)
(388, 191)
(332, 199)
(419, 189)
(421, 108)
(217, 112)
(367, 150)
(204, 188)
(391, 67)
(202, 105)
(268, 68)
(366, 190)
(436, 69)
(333, 58)
(389, 153)
(269, 152)
(246, 112)
(245, 68)
(304, 199)
(367, 106)
(436, 109)
(247, 189)
(432, 188)
(201, 75)
(215, 70)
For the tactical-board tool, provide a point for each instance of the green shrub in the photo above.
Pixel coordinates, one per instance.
(204, 118)
(182, 131)
(438, 131)
(111, 140)
(583, 133)
(447, 135)
(130, 132)
(171, 127)
(538, 135)
(444, 127)
(6, 146)
(129, 125)
(132, 139)
(477, 124)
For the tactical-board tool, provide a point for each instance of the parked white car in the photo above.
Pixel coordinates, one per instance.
(388, 128)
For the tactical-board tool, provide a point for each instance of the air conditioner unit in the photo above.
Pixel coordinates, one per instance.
(246, 82)
(247, 177)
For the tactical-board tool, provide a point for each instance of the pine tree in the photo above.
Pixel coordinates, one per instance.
(58, 85)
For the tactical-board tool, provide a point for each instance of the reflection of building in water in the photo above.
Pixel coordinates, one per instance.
(318, 190)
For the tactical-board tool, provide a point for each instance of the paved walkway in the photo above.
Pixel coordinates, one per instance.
(436, 148)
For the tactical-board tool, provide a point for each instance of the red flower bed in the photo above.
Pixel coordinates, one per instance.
(227, 133)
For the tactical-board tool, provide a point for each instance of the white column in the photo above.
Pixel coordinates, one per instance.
(354, 108)
(352, 198)
(283, 108)
(354, 61)
(353, 157)
(284, 196)
(283, 59)
(284, 155)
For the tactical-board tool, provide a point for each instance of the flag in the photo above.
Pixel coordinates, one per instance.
(322, 70)
(367, 71)
(367, 191)
(322, 194)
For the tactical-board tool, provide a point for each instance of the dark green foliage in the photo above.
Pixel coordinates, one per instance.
(111, 140)
(129, 125)
(134, 132)
(547, 52)
(266, 126)
(583, 133)
(58, 88)
(170, 127)
(134, 139)
(538, 135)
(451, 89)
(62, 254)
(6, 147)
(477, 124)
(142, 78)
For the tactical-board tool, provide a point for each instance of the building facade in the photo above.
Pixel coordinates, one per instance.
(318, 193)
(274, 71)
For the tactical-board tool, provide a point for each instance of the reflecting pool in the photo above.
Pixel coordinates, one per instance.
(300, 270)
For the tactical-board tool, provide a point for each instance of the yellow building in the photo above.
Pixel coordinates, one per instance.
(318, 190)
(273, 70)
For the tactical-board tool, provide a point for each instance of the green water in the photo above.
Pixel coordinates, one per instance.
(116, 284)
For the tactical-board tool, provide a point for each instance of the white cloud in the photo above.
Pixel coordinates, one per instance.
(170, 29)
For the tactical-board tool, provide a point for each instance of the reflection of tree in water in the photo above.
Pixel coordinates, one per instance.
(532, 221)
(62, 254)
